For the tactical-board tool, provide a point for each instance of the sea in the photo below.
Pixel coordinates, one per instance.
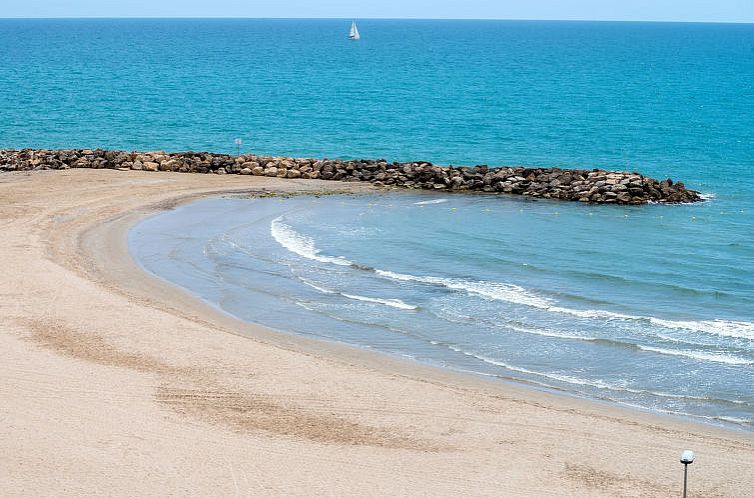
(650, 307)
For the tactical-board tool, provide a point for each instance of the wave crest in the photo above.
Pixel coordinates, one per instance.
(304, 246)
(393, 303)
(698, 355)
(301, 244)
(435, 201)
(491, 290)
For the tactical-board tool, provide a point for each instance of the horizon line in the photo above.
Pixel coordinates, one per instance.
(668, 21)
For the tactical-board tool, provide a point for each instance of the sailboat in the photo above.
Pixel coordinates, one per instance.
(354, 34)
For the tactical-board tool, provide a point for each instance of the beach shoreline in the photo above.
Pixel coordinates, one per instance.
(79, 307)
(193, 267)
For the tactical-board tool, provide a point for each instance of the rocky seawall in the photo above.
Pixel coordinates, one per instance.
(595, 186)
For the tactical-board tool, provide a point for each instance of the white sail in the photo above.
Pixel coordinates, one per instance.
(354, 34)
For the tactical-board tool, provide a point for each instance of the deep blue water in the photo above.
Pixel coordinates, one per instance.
(650, 306)
(667, 99)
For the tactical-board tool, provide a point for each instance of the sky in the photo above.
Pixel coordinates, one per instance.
(649, 10)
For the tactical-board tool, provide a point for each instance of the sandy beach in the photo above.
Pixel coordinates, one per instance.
(114, 383)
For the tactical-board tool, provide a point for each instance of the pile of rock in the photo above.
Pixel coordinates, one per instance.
(597, 186)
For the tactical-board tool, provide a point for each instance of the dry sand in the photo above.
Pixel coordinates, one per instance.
(113, 383)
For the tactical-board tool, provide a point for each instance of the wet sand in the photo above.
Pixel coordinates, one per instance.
(115, 383)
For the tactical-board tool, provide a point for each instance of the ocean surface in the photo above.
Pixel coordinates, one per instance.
(649, 306)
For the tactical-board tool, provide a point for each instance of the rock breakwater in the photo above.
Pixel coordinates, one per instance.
(595, 186)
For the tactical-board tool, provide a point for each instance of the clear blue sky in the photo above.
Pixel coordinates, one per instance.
(657, 10)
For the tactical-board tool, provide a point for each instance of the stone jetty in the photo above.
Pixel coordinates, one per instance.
(593, 186)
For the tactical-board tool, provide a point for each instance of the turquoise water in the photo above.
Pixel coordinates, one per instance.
(647, 306)
(668, 99)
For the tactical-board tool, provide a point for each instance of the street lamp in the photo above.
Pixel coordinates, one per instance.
(687, 458)
(239, 143)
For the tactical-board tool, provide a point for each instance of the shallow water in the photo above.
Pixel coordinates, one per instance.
(637, 305)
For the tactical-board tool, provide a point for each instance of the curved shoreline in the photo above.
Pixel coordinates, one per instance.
(143, 284)
(287, 407)
(444, 354)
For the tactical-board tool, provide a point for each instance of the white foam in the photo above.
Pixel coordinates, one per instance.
(596, 383)
(490, 290)
(518, 295)
(715, 418)
(738, 329)
(301, 244)
(698, 355)
(317, 287)
(608, 315)
(562, 378)
(393, 303)
(435, 201)
(735, 420)
(708, 196)
(741, 330)
(492, 362)
(551, 333)
(453, 316)
(304, 246)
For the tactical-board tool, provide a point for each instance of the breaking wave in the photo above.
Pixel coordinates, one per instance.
(490, 290)
(393, 303)
(305, 247)
(435, 201)
(698, 355)
(594, 383)
(301, 244)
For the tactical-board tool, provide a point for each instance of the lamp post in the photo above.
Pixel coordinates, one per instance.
(687, 458)
(239, 143)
